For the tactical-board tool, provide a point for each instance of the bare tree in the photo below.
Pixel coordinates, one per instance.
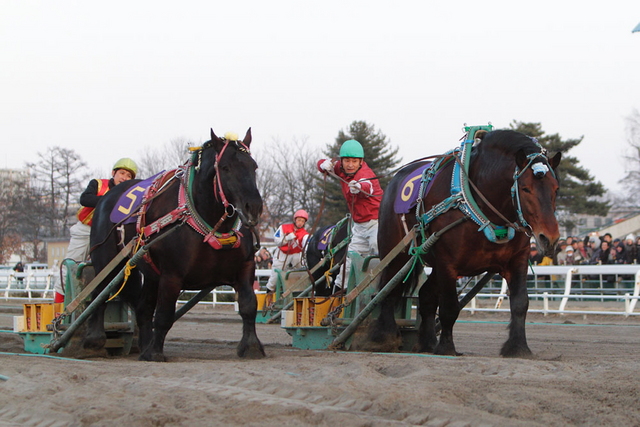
(8, 235)
(170, 156)
(631, 180)
(70, 182)
(44, 175)
(58, 179)
(286, 181)
(28, 212)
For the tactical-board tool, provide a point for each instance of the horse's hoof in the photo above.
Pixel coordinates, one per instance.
(252, 352)
(517, 352)
(158, 357)
(84, 353)
(94, 343)
(424, 347)
(446, 351)
(155, 357)
(376, 339)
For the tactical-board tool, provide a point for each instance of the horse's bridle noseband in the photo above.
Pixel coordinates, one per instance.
(229, 209)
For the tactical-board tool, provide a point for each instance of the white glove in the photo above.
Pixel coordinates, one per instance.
(289, 237)
(355, 187)
(327, 165)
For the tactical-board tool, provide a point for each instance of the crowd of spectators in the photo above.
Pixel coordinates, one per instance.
(593, 249)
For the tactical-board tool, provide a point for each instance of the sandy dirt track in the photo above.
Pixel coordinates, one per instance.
(586, 373)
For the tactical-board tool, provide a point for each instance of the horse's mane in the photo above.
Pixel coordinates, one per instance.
(500, 144)
(508, 141)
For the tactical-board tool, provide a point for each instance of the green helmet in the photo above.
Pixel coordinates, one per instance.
(352, 148)
(126, 164)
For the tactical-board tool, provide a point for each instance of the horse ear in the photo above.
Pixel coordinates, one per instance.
(216, 142)
(521, 159)
(555, 160)
(247, 138)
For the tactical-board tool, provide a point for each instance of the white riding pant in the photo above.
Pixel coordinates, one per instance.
(283, 262)
(78, 250)
(364, 240)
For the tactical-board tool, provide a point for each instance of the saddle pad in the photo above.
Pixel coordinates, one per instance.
(130, 200)
(407, 197)
(323, 242)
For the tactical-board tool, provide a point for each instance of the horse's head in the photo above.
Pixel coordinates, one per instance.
(537, 188)
(506, 160)
(233, 173)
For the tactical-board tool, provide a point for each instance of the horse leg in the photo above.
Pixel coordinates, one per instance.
(249, 346)
(95, 337)
(427, 305)
(516, 344)
(449, 311)
(144, 316)
(168, 291)
(384, 334)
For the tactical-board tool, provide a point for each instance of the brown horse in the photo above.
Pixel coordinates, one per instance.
(197, 225)
(514, 186)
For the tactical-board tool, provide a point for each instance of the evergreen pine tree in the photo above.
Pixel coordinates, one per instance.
(378, 154)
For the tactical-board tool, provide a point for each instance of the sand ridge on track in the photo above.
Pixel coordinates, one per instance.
(585, 373)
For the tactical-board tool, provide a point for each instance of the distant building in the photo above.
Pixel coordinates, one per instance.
(10, 176)
(56, 251)
(588, 223)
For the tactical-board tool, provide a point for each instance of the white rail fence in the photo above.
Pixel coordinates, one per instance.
(37, 286)
(33, 285)
(580, 289)
(577, 289)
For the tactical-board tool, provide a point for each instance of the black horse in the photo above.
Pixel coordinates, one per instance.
(329, 240)
(197, 224)
(514, 185)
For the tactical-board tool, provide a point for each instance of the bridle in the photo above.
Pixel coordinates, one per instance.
(186, 212)
(539, 164)
(229, 210)
(217, 179)
(462, 199)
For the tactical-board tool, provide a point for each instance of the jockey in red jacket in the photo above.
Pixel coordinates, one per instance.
(291, 239)
(363, 195)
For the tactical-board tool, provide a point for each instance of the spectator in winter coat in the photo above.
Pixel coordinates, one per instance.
(630, 249)
(601, 254)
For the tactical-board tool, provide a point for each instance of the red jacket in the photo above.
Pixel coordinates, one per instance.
(296, 245)
(85, 213)
(362, 206)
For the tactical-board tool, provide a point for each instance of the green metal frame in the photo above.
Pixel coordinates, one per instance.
(321, 337)
(119, 318)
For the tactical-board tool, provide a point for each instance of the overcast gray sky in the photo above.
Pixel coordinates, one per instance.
(109, 78)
